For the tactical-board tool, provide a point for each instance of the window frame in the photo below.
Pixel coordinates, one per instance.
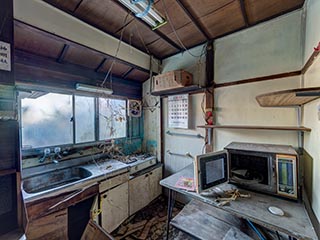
(37, 150)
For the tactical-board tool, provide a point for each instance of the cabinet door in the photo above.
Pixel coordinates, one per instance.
(114, 205)
(51, 227)
(154, 178)
(138, 193)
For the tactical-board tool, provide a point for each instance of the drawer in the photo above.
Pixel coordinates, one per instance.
(112, 182)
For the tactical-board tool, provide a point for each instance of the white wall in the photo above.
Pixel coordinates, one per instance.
(312, 32)
(311, 117)
(236, 105)
(268, 48)
(151, 116)
(193, 62)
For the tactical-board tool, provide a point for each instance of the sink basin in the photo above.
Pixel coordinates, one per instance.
(54, 179)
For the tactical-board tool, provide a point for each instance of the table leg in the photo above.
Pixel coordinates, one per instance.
(169, 211)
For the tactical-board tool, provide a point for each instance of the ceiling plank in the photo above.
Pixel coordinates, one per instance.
(193, 20)
(63, 53)
(244, 13)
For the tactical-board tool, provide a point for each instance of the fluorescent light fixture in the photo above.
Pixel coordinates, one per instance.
(153, 18)
(94, 89)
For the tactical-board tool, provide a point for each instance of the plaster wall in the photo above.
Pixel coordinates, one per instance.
(312, 33)
(268, 48)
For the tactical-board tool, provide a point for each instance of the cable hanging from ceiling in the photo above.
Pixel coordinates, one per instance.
(177, 36)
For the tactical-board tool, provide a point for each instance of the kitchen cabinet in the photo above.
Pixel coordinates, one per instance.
(144, 188)
(114, 206)
(52, 226)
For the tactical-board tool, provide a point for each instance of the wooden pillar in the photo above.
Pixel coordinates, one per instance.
(209, 95)
(9, 128)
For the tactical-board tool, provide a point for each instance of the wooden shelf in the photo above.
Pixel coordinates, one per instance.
(180, 90)
(280, 128)
(288, 98)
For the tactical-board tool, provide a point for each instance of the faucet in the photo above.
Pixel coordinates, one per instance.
(57, 155)
(46, 153)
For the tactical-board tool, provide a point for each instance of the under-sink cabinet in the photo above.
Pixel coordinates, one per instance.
(52, 226)
(143, 188)
(113, 201)
(114, 206)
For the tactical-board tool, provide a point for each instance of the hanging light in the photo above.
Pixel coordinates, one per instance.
(94, 89)
(144, 10)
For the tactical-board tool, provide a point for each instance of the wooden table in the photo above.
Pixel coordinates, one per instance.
(296, 222)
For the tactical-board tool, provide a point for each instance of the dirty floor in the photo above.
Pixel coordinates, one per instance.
(150, 223)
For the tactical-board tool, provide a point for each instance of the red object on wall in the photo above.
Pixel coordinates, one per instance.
(317, 49)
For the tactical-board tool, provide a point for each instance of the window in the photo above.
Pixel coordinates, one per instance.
(84, 119)
(51, 119)
(112, 118)
(46, 120)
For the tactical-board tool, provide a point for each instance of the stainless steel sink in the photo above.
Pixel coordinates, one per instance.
(54, 179)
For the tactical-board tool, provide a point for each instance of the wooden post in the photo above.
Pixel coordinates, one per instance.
(209, 94)
(9, 135)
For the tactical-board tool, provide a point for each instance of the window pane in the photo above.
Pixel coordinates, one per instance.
(112, 118)
(46, 120)
(84, 117)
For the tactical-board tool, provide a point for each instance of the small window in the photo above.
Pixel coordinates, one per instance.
(84, 119)
(112, 118)
(46, 120)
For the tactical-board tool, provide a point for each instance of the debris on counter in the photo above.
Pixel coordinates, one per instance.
(231, 195)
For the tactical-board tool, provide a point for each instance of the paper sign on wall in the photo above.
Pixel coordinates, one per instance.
(178, 111)
(5, 56)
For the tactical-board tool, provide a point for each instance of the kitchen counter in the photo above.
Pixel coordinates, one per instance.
(100, 171)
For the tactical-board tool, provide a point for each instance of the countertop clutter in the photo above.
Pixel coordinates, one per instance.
(98, 170)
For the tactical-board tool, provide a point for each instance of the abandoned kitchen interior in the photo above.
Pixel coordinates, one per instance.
(159, 119)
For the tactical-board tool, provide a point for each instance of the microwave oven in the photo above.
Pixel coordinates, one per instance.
(266, 168)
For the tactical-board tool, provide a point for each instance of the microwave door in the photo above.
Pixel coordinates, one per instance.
(211, 169)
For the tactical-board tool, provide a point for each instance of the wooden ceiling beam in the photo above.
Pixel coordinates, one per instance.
(63, 53)
(194, 20)
(126, 74)
(100, 66)
(156, 31)
(77, 6)
(244, 13)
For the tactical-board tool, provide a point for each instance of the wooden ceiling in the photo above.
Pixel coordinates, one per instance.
(194, 21)
(32, 40)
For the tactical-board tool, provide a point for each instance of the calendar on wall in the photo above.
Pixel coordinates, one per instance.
(178, 111)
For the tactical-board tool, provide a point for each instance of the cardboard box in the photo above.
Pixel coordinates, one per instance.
(171, 80)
